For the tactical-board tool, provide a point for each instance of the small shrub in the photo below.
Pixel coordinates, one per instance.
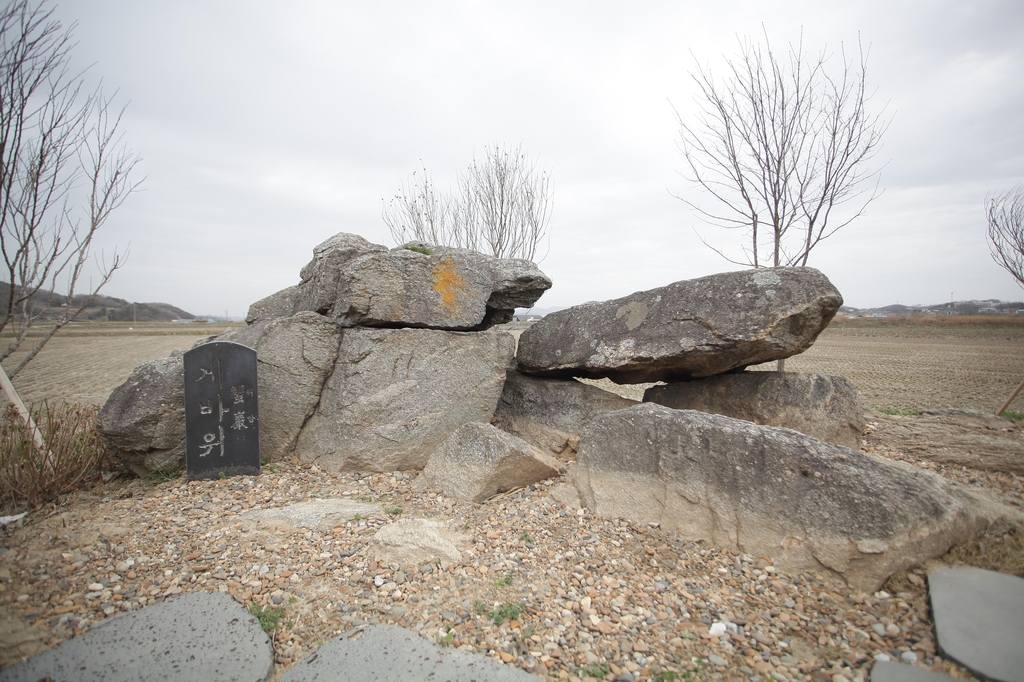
(525, 537)
(393, 511)
(504, 612)
(75, 455)
(1016, 416)
(269, 618)
(418, 249)
(598, 670)
(505, 582)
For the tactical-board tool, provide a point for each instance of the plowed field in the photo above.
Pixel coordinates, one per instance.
(901, 366)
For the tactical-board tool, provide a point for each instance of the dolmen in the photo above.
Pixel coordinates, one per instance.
(387, 359)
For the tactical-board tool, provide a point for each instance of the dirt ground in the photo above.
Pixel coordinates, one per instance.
(908, 367)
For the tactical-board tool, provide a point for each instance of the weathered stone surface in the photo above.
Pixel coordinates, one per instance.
(321, 515)
(356, 283)
(825, 407)
(688, 329)
(199, 636)
(294, 355)
(388, 653)
(550, 413)
(976, 440)
(979, 620)
(415, 541)
(143, 421)
(767, 491)
(396, 394)
(478, 461)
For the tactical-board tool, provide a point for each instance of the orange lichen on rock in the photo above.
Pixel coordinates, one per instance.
(449, 283)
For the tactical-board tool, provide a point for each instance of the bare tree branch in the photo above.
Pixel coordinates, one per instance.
(1005, 213)
(778, 144)
(53, 141)
(501, 205)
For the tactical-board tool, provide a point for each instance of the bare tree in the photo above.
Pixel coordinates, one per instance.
(63, 170)
(500, 205)
(1005, 213)
(779, 144)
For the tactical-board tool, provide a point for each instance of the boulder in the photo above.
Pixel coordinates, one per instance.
(478, 461)
(396, 394)
(356, 283)
(142, 423)
(825, 407)
(294, 355)
(550, 413)
(688, 329)
(767, 491)
(415, 541)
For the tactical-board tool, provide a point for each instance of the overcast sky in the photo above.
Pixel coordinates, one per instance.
(267, 127)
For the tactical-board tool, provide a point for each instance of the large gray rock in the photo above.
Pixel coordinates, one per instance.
(199, 636)
(767, 491)
(550, 413)
(826, 407)
(294, 355)
(396, 394)
(322, 514)
(388, 653)
(143, 421)
(695, 328)
(479, 461)
(356, 283)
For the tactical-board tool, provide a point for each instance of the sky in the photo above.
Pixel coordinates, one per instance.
(266, 127)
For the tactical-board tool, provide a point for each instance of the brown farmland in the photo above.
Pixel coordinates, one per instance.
(903, 364)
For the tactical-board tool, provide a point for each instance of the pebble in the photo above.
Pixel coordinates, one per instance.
(627, 598)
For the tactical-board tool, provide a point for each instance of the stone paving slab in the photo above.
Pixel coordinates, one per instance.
(195, 637)
(388, 653)
(888, 671)
(979, 620)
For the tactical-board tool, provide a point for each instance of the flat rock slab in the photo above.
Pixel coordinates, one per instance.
(979, 620)
(415, 541)
(695, 328)
(388, 653)
(887, 671)
(199, 636)
(322, 515)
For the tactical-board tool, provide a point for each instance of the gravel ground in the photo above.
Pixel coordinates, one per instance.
(550, 589)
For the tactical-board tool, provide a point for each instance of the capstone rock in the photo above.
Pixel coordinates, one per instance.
(143, 421)
(825, 407)
(396, 394)
(550, 413)
(688, 329)
(768, 491)
(356, 283)
(478, 461)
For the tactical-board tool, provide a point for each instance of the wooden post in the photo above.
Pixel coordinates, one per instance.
(13, 396)
(1010, 400)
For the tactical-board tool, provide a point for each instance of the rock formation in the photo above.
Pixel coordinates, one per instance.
(769, 491)
(825, 407)
(477, 461)
(694, 328)
(550, 413)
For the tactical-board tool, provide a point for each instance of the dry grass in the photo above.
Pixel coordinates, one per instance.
(30, 477)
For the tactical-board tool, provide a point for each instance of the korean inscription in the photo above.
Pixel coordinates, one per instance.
(222, 435)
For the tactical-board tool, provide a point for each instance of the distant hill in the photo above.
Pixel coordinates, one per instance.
(990, 306)
(103, 308)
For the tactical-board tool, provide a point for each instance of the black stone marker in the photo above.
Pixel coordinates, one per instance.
(222, 422)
